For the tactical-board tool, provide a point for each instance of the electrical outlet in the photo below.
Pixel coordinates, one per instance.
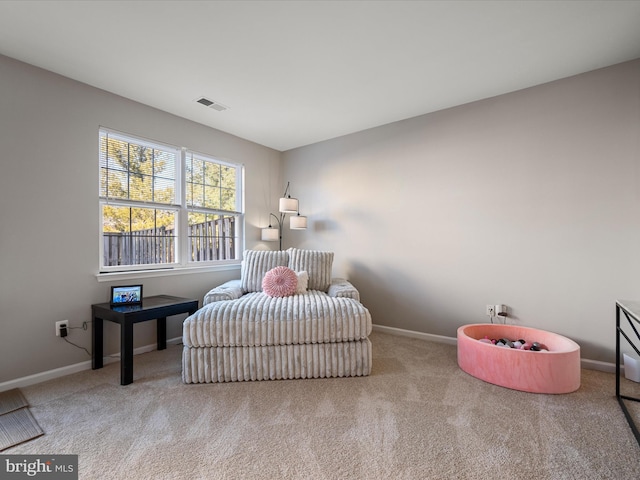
(61, 323)
(491, 311)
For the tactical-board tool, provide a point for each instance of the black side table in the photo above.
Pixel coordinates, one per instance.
(158, 307)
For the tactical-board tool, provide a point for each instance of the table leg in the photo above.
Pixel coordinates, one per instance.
(126, 353)
(161, 328)
(96, 343)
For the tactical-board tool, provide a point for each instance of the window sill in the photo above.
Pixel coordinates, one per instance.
(164, 272)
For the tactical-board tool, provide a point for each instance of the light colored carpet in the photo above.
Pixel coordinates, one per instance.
(418, 416)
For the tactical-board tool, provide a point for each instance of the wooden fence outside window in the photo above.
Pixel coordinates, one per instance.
(210, 240)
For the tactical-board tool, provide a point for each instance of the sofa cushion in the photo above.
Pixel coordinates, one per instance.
(280, 282)
(318, 264)
(258, 319)
(343, 288)
(230, 290)
(255, 265)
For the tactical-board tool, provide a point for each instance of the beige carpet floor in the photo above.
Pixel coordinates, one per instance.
(418, 416)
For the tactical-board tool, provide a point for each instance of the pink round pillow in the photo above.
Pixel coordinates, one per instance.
(280, 282)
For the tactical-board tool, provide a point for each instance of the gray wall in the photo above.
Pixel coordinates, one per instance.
(49, 218)
(529, 199)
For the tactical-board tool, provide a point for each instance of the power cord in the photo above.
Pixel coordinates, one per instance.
(85, 326)
(77, 346)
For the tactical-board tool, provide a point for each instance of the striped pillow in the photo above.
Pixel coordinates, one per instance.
(255, 265)
(318, 264)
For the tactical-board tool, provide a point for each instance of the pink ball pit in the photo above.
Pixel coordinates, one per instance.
(553, 371)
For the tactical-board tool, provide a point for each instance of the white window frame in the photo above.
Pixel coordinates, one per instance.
(182, 263)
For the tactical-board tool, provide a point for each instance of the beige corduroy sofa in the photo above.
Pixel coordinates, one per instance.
(241, 333)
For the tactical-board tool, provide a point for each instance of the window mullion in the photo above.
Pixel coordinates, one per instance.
(183, 218)
(128, 170)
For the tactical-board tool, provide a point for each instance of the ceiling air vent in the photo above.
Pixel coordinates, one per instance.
(211, 104)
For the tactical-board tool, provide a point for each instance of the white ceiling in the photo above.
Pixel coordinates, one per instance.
(295, 73)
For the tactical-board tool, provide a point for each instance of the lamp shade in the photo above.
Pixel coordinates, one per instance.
(270, 234)
(298, 222)
(288, 205)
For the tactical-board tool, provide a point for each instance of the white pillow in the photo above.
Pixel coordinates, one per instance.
(303, 282)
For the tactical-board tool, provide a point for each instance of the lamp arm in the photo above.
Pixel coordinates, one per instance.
(279, 220)
(280, 224)
(282, 217)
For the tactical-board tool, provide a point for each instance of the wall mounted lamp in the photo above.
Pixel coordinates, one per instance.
(296, 222)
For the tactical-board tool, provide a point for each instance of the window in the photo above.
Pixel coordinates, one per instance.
(162, 206)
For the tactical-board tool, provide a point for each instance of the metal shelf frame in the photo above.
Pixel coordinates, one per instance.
(631, 312)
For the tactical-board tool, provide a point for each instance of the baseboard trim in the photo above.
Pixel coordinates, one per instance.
(600, 366)
(79, 367)
(75, 368)
(413, 334)
(584, 362)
